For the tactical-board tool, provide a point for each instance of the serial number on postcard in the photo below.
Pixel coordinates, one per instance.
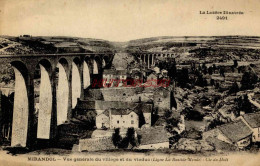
(222, 18)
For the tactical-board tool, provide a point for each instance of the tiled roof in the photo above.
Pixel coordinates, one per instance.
(115, 111)
(115, 72)
(124, 108)
(110, 71)
(102, 105)
(235, 131)
(136, 72)
(106, 112)
(144, 107)
(152, 75)
(153, 135)
(253, 119)
(121, 111)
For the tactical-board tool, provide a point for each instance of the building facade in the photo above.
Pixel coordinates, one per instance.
(117, 118)
(252, 120)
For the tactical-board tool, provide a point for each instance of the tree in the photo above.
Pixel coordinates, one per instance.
(248, 80)
(131, 136)
(116, 137)
(234, 88)
(183, 78)
(214, 68)
(171, 121)
(214, 123)
(200, 81)
(210, 70)
(244, 104)
(212, 82)
(88, 119)
(128, 139)
(193, 114)
(172, 69)
(222, 72)
(235, 63)
(204, 69)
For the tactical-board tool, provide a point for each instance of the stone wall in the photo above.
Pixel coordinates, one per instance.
(96, 144)
(119, 94)
(155, 146)
(215, 133)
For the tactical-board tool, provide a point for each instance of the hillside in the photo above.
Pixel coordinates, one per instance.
(200, 47)
(48, 45)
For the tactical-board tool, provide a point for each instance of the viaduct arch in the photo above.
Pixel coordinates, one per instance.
(63, 77)
(149, 58)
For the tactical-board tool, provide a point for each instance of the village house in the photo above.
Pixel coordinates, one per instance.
(153, 138)
(156, 69)
(235, 133)
(112, 76)
(136, 75)
(152, 79)
(115, 114)
(117, 118)
(164, 73)
(252, 120)
(162, 99)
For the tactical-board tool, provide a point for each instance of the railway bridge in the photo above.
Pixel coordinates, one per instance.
(62, 79)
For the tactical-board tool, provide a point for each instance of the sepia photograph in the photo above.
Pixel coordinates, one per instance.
(130, 82)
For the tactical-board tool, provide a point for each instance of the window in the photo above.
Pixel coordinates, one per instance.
(131, 116)
(132, 122)
(123, 121)
(118, 122)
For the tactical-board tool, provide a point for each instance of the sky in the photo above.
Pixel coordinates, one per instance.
(123, 20)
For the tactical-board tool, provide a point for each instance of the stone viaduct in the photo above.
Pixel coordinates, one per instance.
(63, 77)
(148, 58)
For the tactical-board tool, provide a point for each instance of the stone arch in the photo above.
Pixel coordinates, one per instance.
(44, 105)
(86, 74)
(103, 63)
(62, 91)
(95, 66)
(21, 105)
(106, 61)
(76, 82)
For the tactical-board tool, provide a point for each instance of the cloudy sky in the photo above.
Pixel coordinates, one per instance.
(122, 20)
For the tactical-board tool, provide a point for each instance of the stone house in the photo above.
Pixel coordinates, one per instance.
(117, 118)
(123, 114)
(136, 76)
(152, 80)
(164, 73)
(235, 133)
(153, 138)
(157, 70)
(112, 76)
(252, 120)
